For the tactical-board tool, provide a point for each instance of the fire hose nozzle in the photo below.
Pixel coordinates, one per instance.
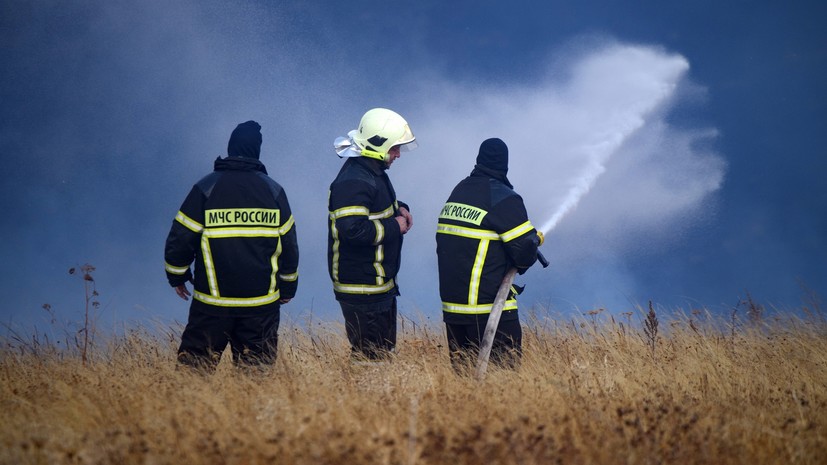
(542, 259)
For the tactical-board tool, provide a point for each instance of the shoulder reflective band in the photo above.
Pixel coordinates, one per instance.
(242, 217)
(462, 212)
(467, 232)
(188, 222)
(517, 232)
(449, 307)
(363, 288)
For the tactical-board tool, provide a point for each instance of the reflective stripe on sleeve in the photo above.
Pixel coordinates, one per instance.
(516, 232)
(386, 213)
(349, 211)
(188, 222)
(289, 277)
(287, 226)
(176, 269)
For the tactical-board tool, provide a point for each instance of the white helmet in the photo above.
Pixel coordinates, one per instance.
(379, 130)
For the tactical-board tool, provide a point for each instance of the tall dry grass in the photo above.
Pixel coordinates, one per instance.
(590, 391)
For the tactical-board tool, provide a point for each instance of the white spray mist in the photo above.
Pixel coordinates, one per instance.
(626, 99)
(597, 155)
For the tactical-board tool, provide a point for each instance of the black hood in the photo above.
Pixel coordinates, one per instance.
(239, 164)
(245, 141)
(484, 171)
(493, 154)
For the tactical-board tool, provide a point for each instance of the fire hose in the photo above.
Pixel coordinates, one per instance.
(494, 317)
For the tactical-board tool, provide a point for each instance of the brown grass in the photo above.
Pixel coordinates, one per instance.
(591, 391)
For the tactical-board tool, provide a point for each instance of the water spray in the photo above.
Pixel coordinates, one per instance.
(598, 155)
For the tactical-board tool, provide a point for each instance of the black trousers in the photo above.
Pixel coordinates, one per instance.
(253, 339)
(371, 328)
(465, 339)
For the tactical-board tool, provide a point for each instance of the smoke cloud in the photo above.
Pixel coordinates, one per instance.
(601, 136)
(111, 117)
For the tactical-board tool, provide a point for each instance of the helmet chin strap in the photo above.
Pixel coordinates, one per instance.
(375, 155)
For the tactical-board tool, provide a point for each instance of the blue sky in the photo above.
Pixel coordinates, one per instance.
(695, 129)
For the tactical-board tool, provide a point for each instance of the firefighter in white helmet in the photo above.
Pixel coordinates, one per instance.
(366, 225)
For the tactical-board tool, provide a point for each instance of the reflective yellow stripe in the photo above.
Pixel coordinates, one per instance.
(380, 232)
(377, 264)
(363, 288)
(285, 228)
(517, 232)
(468, 232)
(208, 265)
(236, 301)
(349, 211)
(189, 223)
(214, 298)
(274, 266)
(462, 212)
(289, 277)
(476, 272)
(242, 232)
(335, 265)
(386, 213)
(176, 269)
(449, 307)
(242, 217)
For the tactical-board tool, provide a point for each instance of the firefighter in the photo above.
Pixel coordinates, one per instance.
(366, 225)
(237, 226)
(482, 231)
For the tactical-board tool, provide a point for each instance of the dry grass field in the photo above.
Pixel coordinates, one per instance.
(595, 390)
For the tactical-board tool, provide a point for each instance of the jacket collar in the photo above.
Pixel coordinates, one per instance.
(484, 171)
(375, 166)
(239, 164)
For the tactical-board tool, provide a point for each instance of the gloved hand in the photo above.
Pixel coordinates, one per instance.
(541, 236)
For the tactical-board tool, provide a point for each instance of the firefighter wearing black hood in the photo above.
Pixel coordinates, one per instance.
(482, 231)
(237, 226)
(366, 225)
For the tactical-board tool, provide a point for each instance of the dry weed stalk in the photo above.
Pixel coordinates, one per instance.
(650, 328)
(92, 303)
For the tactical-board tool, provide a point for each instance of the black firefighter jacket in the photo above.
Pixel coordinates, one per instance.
(482, 230)
(236, 224)
(364, 242)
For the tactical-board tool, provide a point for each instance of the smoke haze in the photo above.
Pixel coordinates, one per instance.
(113, 110)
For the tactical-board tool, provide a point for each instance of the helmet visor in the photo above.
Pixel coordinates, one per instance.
(406, 141)
(409, 146)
